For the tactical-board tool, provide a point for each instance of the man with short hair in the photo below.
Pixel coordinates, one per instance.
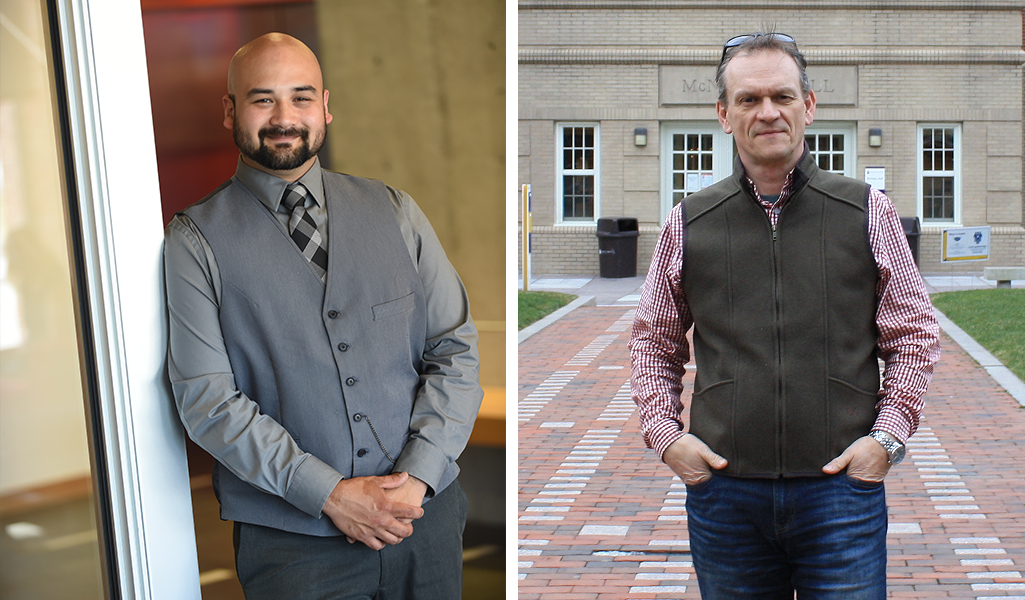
(797, 281)
(322, 350)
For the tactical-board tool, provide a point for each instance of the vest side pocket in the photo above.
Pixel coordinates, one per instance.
(852, 412)
(712, 415)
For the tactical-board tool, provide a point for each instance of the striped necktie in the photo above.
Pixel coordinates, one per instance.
(303, 230)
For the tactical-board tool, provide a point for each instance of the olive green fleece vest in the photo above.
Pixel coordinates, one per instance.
(784, 323)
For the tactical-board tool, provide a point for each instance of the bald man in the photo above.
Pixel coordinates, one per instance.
(322, 350)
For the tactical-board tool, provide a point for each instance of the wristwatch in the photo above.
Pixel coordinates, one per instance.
(893, 448)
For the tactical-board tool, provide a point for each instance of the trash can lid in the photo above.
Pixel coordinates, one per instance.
(617, 224)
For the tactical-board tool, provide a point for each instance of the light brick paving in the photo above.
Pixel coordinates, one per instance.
(601, 518)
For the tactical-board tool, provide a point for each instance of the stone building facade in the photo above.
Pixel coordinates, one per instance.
(617, 118)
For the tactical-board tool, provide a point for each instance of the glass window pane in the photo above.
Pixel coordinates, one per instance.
(49, 544)
(678, 140)
(706, 143)
(706, 162)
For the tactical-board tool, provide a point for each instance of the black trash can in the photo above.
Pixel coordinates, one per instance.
(912, 229)
(617, 246)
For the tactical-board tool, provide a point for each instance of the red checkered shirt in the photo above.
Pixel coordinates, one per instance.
(908, 330)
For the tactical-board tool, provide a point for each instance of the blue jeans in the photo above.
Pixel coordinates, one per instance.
(823, 537)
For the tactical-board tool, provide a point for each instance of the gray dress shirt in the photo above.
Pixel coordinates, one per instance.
(201, 373)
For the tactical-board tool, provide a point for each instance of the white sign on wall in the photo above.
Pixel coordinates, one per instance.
(876, 177)
(964, 244)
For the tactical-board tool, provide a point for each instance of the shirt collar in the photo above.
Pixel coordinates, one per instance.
(269, 189)
(795, 178)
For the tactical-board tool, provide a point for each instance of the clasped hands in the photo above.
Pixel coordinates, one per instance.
(377, 511)
(690, 458)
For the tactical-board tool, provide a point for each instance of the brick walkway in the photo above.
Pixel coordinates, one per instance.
(600, 517)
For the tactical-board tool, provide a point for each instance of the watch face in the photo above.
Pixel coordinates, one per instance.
(898, 454)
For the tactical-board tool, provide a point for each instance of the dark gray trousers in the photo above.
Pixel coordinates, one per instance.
(428, 565)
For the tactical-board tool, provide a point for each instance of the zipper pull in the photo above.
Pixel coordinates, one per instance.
(774, 236)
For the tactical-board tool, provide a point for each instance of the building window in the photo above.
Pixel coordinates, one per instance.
(578, 171)
(939, 162)
(832, 146)
(692, 164)
(828, 150)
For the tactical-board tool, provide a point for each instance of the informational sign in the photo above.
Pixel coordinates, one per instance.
(876, 177)
(964, 244)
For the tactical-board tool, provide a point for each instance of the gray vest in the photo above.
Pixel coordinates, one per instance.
(784, 323)
(338, 368)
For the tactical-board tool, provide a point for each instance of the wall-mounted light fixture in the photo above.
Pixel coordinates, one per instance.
(640, 136)
(875, 137)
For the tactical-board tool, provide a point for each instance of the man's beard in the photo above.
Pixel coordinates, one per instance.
(277, 159)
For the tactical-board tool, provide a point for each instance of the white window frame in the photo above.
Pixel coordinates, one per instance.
(561, 171)
(955, 173)
(850, 133)
(116, 216)
(722, 155)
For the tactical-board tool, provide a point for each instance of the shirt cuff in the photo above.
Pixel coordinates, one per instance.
(890, 420)
(312, 484)
(664, 434)
(422, 460)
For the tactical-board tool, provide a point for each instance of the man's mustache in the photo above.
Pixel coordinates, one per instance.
(302, 132)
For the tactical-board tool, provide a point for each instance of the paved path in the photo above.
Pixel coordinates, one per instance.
(600, 517)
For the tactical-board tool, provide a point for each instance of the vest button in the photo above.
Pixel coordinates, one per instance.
(351, 381)
(332, 314)
(343, 346)
(361, 452)
(357, 417)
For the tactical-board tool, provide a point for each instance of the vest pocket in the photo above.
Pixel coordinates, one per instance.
(712, 417)
(394, 307)
(852, 412)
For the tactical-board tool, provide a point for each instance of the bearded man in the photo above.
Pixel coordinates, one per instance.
(322, 350)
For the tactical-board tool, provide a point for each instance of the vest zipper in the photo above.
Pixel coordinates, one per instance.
(777, 285)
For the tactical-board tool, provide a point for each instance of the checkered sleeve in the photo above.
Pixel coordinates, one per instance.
(908, 330)
(658, 342)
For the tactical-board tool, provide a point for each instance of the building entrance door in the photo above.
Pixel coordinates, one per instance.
(694, 156)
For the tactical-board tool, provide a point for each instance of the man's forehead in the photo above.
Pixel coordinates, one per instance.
(765, 70)
(278, 67)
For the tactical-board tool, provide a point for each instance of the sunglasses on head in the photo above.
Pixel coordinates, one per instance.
(733, 42)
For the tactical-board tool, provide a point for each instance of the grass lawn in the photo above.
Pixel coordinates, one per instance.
(994, 317)
(536, 305)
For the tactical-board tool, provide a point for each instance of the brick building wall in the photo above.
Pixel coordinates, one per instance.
(946, 62)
